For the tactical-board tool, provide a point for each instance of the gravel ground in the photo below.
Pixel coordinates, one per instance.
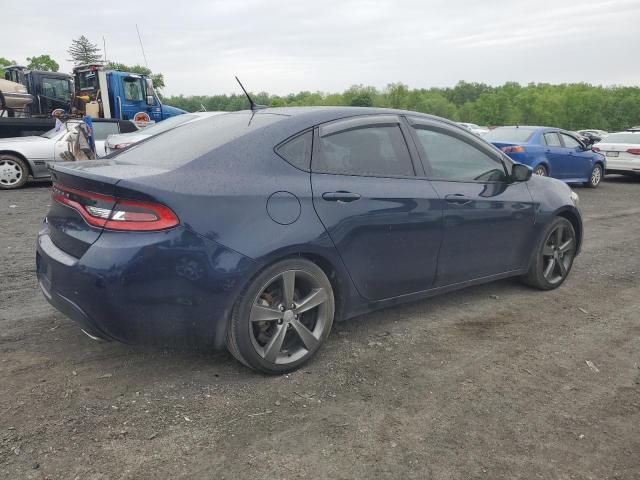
(496, 381)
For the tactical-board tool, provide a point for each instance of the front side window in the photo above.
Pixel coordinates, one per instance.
(552, 139)
(133, 90)
(455, 160)
(376, 150)
(56, 88)
(569, 141)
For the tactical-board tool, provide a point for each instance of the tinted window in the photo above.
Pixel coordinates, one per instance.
(552, 139)
(297, 151)
(509, 134)
(181, 145)
(101, 130)
(374, 150)
(569, 141)
(453, 159)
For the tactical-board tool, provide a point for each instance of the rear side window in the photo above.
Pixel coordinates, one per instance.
(297, 150)
(452, 159)
(552, 139)
(368, 151)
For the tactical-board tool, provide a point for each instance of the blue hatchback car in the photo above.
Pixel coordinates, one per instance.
(255, 230)
(551, 152)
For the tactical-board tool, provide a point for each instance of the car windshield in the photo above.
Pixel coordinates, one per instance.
(509, 134)
(179, 146)
(54, 132)
(633, 138)
(167, 124)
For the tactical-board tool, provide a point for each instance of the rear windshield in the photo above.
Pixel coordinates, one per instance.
(179, 146)
(509, 134)
(167, 124)
(622, 138)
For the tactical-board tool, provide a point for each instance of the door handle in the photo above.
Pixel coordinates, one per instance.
(457, 198)
(340, 196)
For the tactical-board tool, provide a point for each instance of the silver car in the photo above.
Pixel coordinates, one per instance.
(24, 157)
(118, 142)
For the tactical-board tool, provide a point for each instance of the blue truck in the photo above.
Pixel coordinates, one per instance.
(103, 93)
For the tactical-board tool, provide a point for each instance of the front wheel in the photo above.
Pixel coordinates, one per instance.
(595, 178)
(554, 257)
(282, 318)
(541, 170)
(13, 172)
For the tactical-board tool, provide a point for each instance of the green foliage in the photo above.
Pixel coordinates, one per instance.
(4, 63)
(43, 62)
(156, 78)
(570, 106)
(83, 52)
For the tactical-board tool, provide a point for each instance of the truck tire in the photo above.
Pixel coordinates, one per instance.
(14, 172)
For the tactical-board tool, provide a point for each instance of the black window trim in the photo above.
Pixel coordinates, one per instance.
(363, 121)
(416, 122)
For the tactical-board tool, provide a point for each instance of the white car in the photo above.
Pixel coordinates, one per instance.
(24, 157)
(473, 128)
(118, 142)
(622, 150)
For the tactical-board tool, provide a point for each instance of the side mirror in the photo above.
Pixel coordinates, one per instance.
(150, 100)
(521, 172)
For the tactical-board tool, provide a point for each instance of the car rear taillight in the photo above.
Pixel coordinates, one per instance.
(595, 149)
(113, 213)
(634, 151)
(513, 149)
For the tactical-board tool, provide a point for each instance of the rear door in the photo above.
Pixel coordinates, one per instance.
(554, 152)
(380, 212)
(487, 220)
(577, 160)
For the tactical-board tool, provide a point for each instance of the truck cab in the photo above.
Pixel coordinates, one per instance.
(51, 90)
(121, 95)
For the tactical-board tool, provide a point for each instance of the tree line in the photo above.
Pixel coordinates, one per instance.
(571, 106)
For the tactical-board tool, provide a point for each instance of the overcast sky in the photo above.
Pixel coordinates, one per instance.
(288, 46)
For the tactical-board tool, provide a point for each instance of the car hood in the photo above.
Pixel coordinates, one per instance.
(132, 137)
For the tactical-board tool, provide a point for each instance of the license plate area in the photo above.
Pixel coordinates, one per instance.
(612, 154)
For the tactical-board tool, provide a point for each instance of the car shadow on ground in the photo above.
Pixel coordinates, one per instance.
(622, 179)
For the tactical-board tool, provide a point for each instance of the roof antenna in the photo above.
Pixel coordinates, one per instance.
(254, 105)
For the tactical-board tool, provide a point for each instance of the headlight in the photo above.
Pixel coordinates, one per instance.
(575, 198)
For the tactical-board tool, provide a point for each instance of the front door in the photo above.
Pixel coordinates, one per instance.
(384, 220)
(487, 221)
(577, 160)
(555, 152)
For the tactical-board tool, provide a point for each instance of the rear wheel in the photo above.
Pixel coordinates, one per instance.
(554, 257)
(282, 318)
(13, 172)
(541, 170)
(595, 178)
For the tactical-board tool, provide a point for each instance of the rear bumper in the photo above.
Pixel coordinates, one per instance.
(163, 288)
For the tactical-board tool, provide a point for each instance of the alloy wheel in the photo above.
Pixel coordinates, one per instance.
(596, 176)
(540, 171)
(558, 253)
(289, 317)
(10, 172)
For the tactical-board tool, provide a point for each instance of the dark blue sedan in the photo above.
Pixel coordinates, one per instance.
(551, 152)
(256, 230)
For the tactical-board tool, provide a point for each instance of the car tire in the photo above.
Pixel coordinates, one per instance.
(553, 257)
(272, 338)
(541, 170)
(595, 177)
(14, 172)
